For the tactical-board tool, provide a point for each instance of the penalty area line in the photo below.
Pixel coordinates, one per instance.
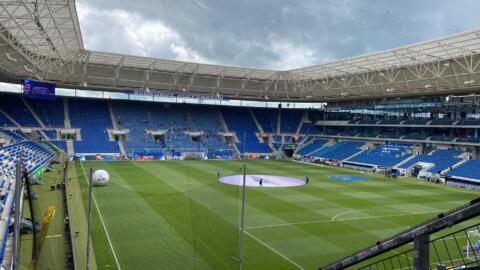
(103, 222)
(337, 220)
(274, 250)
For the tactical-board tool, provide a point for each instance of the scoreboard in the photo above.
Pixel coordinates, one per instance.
(38, 90)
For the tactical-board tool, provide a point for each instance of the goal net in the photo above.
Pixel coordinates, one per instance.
(472, 247)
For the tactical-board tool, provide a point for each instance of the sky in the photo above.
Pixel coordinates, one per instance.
(267, 34)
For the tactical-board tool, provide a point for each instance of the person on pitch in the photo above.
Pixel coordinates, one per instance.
(307, 180)
(260, 182)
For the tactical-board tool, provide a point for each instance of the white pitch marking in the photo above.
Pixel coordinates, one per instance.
(274, 250)
(329, 220)
(342, 213)
(103, 222)
(53, 236)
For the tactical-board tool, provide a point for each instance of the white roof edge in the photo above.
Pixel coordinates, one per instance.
(76, 23)
(420, 47)
(438, 49)
(456, 36)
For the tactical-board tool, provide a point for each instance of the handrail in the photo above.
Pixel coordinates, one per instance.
(432, 225)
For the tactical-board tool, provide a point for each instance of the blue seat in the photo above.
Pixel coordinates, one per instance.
(468, 170)
(384, 155)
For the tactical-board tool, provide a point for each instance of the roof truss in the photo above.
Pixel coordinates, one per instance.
(41, 39)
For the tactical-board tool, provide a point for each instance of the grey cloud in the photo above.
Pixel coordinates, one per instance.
(252, 33)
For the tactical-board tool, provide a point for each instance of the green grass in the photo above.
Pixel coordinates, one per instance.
(174, 214)
(53, 254)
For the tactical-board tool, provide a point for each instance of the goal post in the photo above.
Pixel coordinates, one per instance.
(472, 247)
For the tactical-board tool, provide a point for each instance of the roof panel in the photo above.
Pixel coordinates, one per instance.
(438, 49)
(56, 26)
(56, 22)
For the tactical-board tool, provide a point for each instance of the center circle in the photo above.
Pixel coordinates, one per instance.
(266, 180)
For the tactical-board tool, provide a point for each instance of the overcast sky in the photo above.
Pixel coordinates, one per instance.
(271, 34)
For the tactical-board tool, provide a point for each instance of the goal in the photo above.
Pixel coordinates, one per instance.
(472, 247)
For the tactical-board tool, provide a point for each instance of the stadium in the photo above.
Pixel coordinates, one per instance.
(117, 161)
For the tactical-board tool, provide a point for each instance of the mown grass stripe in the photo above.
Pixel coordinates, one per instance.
(169, 171)
(102, 222)
(169, 187)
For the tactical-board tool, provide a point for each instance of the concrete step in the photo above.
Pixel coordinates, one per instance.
(356, 154)
(279, 120)
(454, 166)
(112, 115)
(259, 127)
(66, 114)
(222, 121)
(304, 118)
(121, 145)
(70, 149)
(404, 161)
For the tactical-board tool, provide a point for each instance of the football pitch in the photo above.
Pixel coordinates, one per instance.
(176, 215)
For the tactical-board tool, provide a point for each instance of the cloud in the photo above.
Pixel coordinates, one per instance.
(291, 56)
(272, 34)
(121, 31)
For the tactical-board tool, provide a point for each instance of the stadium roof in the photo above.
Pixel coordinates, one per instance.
(42, 40)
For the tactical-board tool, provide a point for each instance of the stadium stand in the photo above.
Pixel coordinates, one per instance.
(314, 145)
(133, 116)
(390, 122)
(308, 128)
(415, 136)
(206, 119)
(339, 151)
(290, 120)
(267, 119)
(239, 121)
(387, 155)
(469, 139)
(174, 120)
(277, 138)
(442, 138)
(51, 134)
(60, 144)
(442, 122)
(367, 122)
(416, 122)
(15, 134)
(175, 123)
(195, 128)
(33, 156)
(277, 146)
(470, 171)
(442, 159)
(92, 117)
(469, 122)
(4, 121)
(50, 111)
(13, 106)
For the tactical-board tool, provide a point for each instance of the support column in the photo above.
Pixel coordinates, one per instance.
(421, 258)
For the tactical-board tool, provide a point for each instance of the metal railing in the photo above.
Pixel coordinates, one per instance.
(419, 235)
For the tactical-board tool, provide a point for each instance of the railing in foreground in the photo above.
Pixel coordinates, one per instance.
(441, 253)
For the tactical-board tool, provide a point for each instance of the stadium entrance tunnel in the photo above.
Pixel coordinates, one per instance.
(266, 180)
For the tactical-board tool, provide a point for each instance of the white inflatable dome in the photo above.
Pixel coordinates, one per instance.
(100, 178)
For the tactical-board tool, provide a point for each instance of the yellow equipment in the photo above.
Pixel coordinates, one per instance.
(47, 218)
